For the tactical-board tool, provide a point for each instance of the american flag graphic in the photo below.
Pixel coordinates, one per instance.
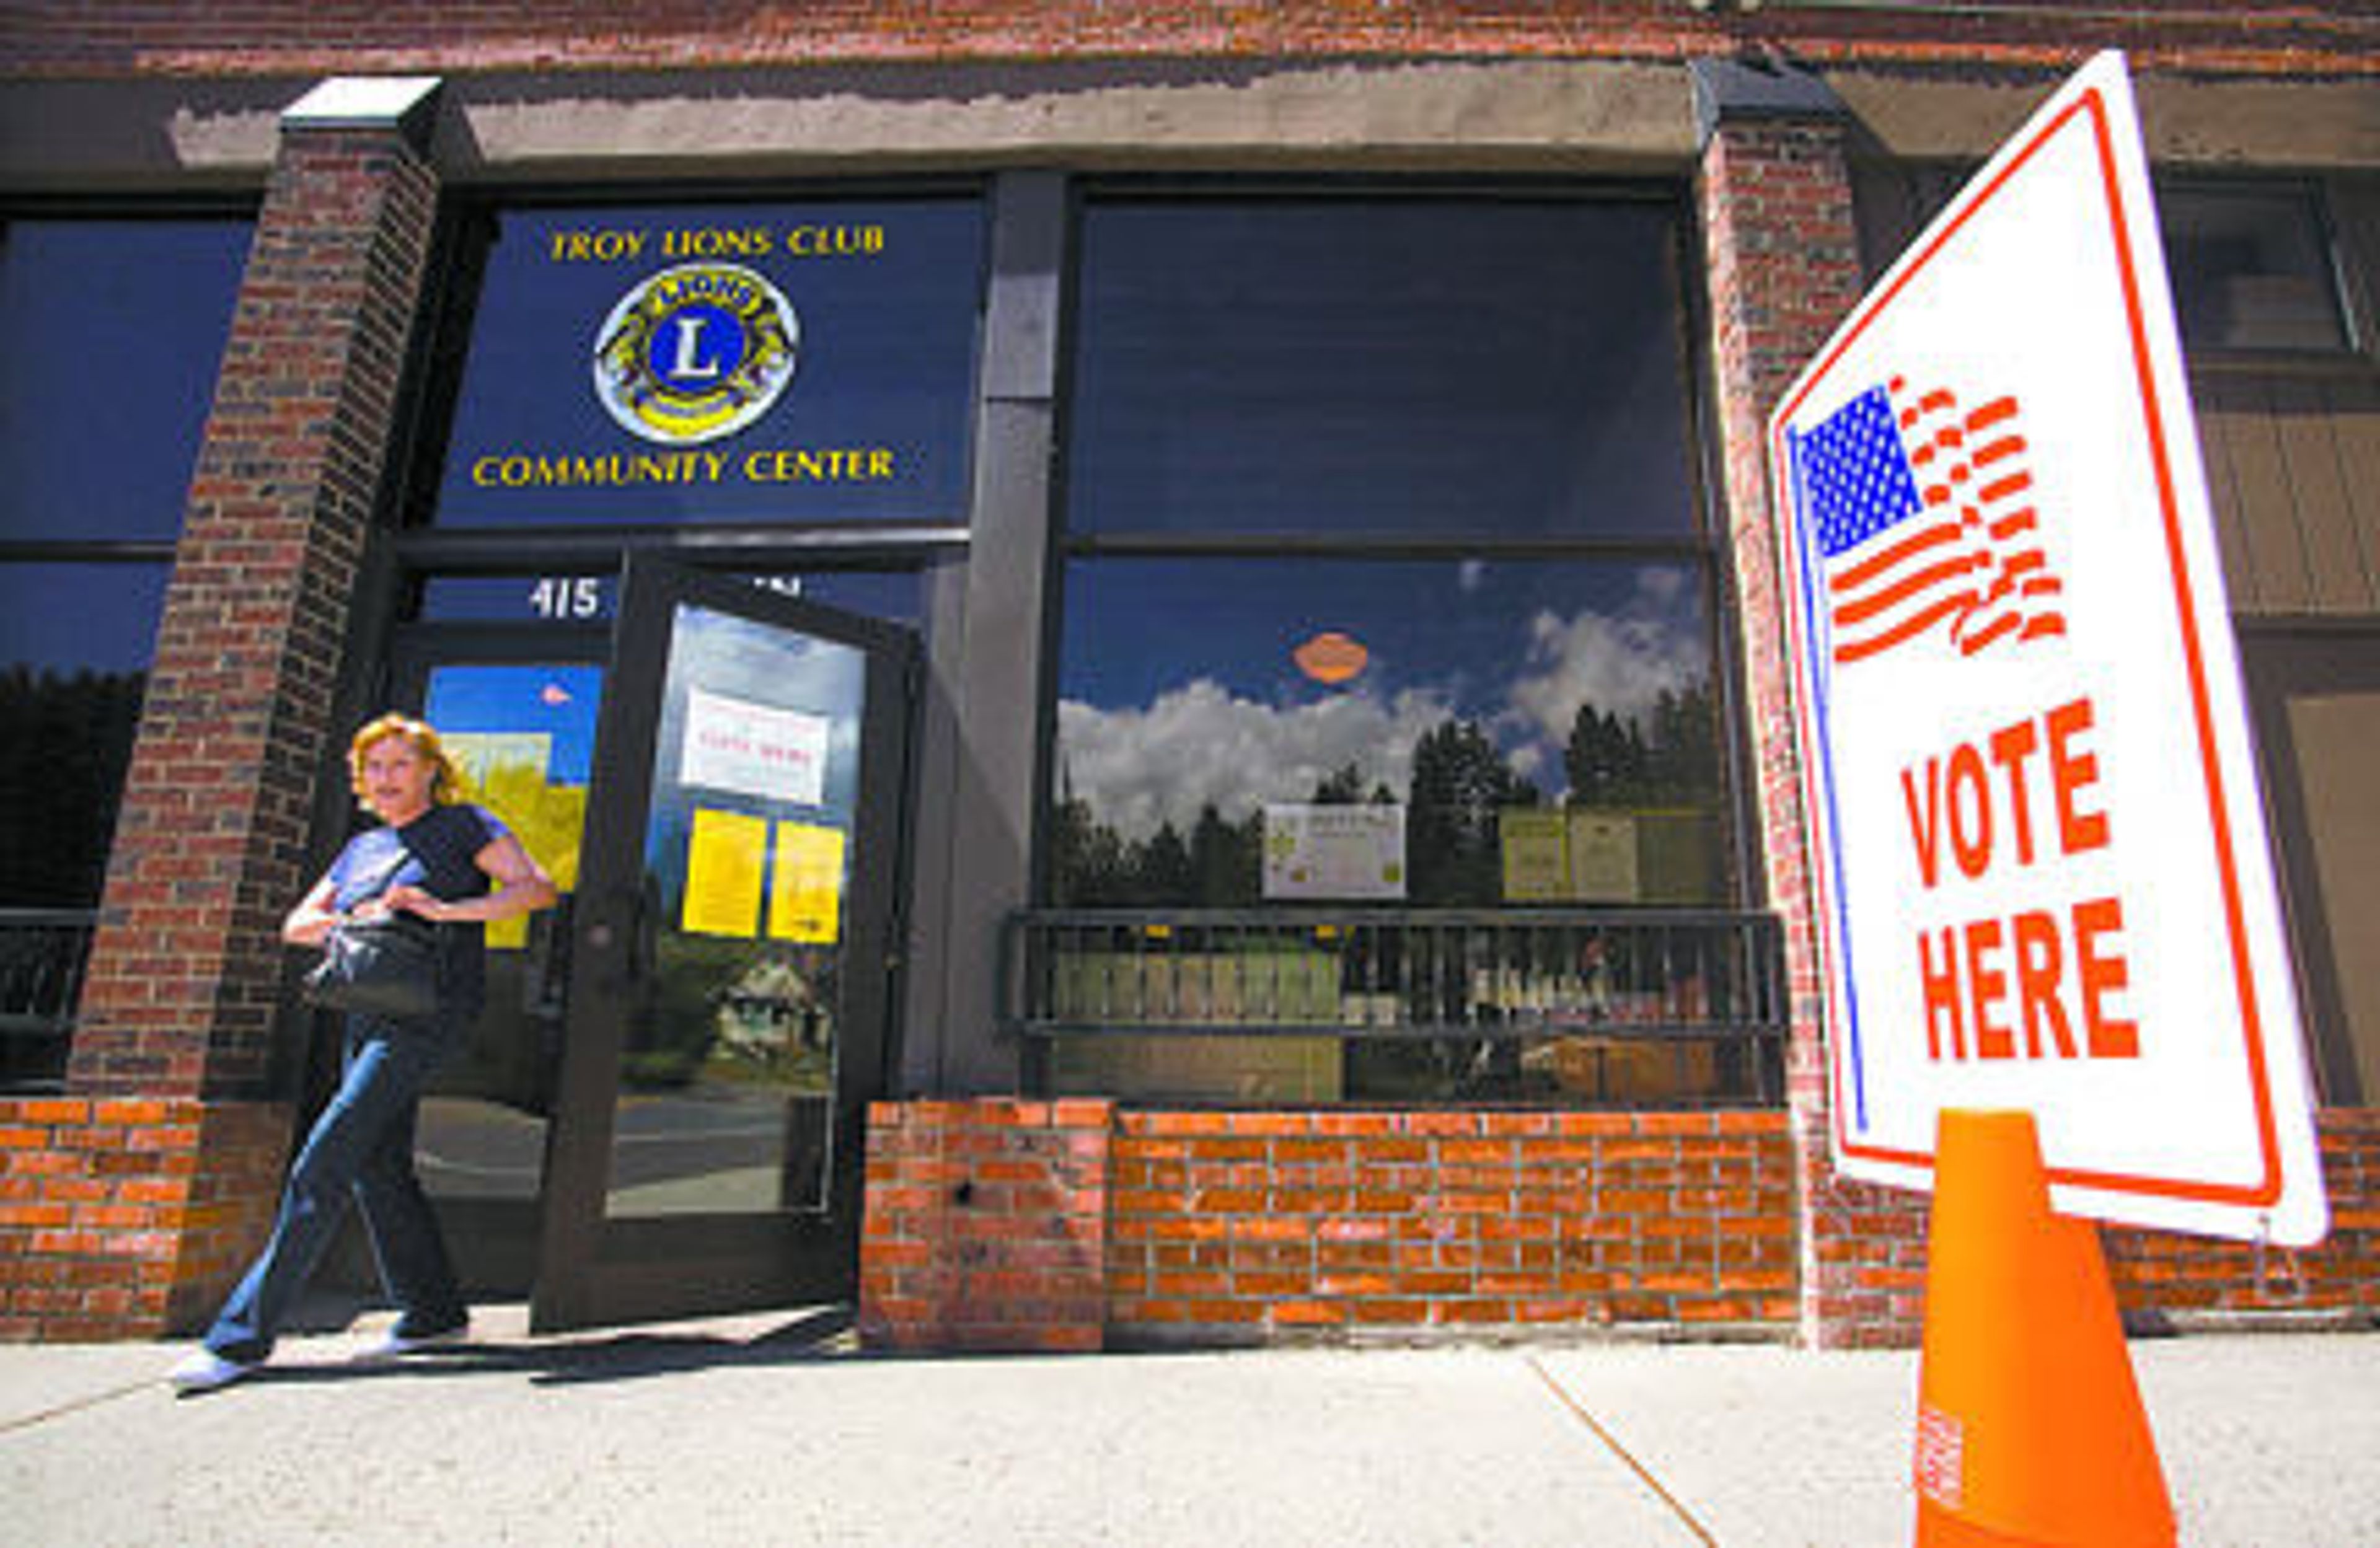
(1925, 517)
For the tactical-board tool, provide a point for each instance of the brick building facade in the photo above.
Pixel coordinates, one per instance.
(1014, 1195)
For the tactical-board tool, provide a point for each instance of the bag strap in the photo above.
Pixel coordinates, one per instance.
(387, 876)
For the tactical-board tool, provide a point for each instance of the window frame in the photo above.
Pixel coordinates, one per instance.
(1700, 549)
(151, 557)
(18, 209)
(1894, 200)
(2313, 196)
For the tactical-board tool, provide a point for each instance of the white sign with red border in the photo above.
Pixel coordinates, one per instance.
(754, 749)
(2043, 878)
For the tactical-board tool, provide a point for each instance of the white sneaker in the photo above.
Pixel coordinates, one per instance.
(204, 1371)
(393, 1345)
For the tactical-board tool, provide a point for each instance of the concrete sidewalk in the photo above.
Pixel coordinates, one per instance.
(773, 1430)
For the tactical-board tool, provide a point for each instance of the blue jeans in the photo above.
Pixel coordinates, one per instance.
(361, 1147)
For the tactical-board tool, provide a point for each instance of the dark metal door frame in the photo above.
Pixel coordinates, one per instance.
(595, 1270)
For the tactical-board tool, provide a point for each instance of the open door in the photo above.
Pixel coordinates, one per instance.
(732, 951)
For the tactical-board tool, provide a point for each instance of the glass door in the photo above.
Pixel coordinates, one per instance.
(731, 945)
(517, 711)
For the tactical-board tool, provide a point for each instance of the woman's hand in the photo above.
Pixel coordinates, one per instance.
(312, 918)
(405, 899)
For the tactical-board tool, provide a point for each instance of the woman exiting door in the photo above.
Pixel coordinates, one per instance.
(660, 1113)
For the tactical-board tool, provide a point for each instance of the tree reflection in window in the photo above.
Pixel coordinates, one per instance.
(1490, 688)
(62, 763)
(74, 649)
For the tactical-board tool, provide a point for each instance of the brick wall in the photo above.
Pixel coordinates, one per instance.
(106, 37)
(123, 1218)
(2184, 1279)
(986, 1225)
(1070, 1225)
(1869, 1244)
(1005, 1224)
(1260, 1227)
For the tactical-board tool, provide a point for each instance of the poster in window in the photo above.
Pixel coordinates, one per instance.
(1536, 855)
(726, 854)
(806, 891)
(753, 749)
(1334, 852)
(1603, 857)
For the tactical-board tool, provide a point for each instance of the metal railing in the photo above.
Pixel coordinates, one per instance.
(1568, 981)
(41, 956)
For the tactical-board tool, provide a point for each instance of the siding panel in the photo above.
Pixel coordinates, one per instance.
(2355, 421)
(2293, 467)
(2218, 424)
(2308, 435)
(2266, 509)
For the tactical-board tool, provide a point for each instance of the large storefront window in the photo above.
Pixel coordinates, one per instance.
(1386, 594)
(718, 364)
(1491, 712)
(74, 640)
(115, 330)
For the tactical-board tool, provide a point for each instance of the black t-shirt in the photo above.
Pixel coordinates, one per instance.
(437, 852)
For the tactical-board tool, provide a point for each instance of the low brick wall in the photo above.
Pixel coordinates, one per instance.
(2195, 1280)
(1864, 1261)
(986, 1225)
(1004, 1225)
(130, 1218)
(1260, 1227)
(1868, 1247)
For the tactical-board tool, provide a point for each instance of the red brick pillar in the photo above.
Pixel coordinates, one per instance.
(128, 1204)
(986, 1225)
(1783, 255)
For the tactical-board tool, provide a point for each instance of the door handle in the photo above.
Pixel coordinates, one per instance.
(619, 931)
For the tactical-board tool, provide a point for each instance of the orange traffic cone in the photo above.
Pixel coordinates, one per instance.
(2030, 1427)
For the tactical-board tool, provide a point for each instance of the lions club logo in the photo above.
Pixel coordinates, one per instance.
(695, 352)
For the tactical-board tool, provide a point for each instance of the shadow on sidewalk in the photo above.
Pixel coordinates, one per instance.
(574, 1360)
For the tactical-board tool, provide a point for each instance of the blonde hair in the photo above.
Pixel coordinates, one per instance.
(446, 778)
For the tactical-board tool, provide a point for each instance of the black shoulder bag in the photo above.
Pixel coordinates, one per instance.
(377, 967)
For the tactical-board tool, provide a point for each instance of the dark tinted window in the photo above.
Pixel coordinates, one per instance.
(2250, 263)
(115, 331)
(1392, 366)
(2251, 268)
